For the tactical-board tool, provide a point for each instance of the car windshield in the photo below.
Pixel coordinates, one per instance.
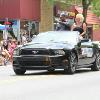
(57, 36)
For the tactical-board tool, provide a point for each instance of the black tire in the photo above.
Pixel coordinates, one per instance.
(72, 63)
(19, 71)
(96, 64)
(51, 70)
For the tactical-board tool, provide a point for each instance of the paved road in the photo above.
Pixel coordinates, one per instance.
(41, 85)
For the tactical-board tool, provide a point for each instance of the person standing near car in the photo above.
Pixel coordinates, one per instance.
(24, 38)
(4, 52)
(11, 48)
(79, 25)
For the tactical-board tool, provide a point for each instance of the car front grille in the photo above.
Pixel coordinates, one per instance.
(35, 52)
(33, 61)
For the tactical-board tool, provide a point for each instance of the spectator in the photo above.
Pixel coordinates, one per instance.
(11, 48)
(5, 44)
(24, 39)
(4, 52)
(5, 55)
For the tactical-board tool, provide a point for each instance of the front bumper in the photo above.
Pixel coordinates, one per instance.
(38, 61)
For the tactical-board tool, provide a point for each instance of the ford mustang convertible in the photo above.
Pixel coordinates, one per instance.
(57, 50)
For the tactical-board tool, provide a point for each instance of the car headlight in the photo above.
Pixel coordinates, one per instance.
(16, 52)
(59, 52)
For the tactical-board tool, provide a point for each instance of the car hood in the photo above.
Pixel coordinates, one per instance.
(54, 45)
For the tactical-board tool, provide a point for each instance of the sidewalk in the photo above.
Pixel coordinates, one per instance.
(8, 64)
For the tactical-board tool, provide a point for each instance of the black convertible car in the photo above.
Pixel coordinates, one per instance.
(56, 50)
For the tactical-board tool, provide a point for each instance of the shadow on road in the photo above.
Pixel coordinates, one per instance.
(80, 71)
(56, 72)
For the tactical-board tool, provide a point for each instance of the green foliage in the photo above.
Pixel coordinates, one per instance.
(86, 3)
(51, 1)
(69, 2)
(96, 7)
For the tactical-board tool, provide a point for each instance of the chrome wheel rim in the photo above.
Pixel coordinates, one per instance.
(98, 60)
(73, 62)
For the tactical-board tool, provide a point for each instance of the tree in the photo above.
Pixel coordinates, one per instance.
(85, 4)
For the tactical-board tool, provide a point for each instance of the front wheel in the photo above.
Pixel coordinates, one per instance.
(72, 63)
(19, 71)
(96, 64)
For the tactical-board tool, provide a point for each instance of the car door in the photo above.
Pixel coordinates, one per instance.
(86, 52)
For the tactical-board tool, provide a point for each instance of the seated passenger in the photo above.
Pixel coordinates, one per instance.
(62, 23)
(79, 25)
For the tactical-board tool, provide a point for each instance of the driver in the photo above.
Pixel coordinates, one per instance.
(63, 23)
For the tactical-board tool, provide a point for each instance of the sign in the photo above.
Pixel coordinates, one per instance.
(2, 27)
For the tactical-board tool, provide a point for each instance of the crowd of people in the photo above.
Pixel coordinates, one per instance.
(7, 49)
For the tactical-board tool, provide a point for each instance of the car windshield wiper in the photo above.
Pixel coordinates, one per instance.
(60, 42)
(36, 43)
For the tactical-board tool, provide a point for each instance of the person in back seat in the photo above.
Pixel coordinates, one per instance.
(79, 25)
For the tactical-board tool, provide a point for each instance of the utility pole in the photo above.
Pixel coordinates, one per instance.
(5, 32)
(29, 29)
